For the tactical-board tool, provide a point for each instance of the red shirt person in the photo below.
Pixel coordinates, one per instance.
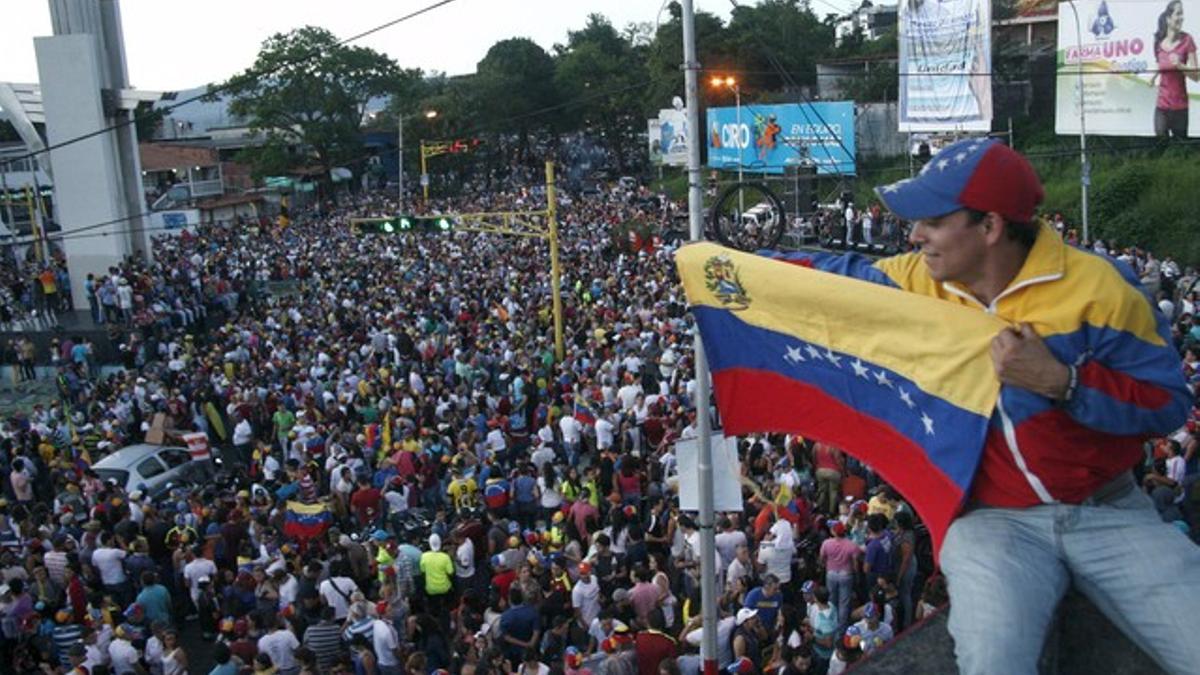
(366, 502)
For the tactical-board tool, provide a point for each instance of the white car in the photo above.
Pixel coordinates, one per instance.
(150, 468)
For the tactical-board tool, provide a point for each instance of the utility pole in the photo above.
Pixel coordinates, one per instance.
(400, 158)
(1085, 169)
(708, 572)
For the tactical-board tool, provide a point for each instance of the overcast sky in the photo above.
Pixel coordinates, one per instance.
(177, 45)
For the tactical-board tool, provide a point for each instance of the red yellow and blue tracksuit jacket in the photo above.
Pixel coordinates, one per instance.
(1091, 313)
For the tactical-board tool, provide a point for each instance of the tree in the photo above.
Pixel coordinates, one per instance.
(8, 133)
(775, 36)
(513, 82)
(605, 74)
(307, 90)
(665, 54)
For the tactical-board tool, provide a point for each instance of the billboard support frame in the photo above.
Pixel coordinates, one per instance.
(1085, 177)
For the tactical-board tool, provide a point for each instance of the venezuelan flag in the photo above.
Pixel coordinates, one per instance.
(900, 381)
(584, 412)
(306, 521)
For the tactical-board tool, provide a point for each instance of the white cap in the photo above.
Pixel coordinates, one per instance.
(745, 614)
(435, 542)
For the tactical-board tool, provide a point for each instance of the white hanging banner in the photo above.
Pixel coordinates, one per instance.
(727, 486)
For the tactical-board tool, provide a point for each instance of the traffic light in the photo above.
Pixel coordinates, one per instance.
(383, 226)
(403, 225)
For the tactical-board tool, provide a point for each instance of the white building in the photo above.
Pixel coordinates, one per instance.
(873, 20)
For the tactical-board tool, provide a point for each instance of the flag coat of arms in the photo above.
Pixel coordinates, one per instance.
(900, 381)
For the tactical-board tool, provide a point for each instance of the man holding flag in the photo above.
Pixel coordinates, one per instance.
(1004, 382)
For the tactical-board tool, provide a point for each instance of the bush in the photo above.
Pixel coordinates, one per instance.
(1138, 198)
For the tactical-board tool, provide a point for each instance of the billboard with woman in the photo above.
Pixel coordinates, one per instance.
(1136, 62)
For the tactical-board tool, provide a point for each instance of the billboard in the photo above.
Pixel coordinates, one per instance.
(654, 141)
(668, 137)
(945, 65)
(1130, 55)
(770, 138)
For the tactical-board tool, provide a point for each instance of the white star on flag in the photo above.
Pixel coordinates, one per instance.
(794, 355)
(894, 187)
(882, 378)
(904, 396)
(833, 358)
(928, 422)
(859, 369)
(961, 157)
(942, 164)
(813, 352)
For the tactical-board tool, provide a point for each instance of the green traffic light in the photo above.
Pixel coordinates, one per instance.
(444, 224)
(405, 224)
(387, 227)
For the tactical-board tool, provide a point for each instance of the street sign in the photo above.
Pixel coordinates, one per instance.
(424, 180)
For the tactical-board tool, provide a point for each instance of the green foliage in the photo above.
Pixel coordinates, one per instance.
(1145, 198)
(605, 73)
(273, 158)
(665, 54)
(880, 82)
(8, 133)
(305, 89)
(777, 34)
(514, 79)
(673, 184)
(147, 120)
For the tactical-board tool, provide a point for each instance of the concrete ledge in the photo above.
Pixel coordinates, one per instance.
(1082, 641)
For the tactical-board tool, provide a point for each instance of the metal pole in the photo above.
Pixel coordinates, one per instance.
(42, 214)
(708, 572)
(424, 176)
(737, 98)
(400, 159)
(555, 271)
(35, 226)
(10, 222)
(1085, 171)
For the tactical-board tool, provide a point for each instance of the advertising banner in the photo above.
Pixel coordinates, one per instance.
(945, 65)
(770, 138)
(668, 137)
(1134, 58)
(654, 141)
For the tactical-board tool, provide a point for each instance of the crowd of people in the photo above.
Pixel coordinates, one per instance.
(410, 481)
(33, 286)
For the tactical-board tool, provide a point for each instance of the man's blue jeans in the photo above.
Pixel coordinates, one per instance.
(1007, 569)
(841, 594)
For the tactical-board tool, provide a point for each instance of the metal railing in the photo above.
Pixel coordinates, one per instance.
(207, 188)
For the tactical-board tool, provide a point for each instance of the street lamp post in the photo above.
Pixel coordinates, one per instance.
(1085, 173)
(429, 114)
(704, 460)
(732, 83)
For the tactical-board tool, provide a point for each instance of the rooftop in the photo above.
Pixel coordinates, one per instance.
(166, 156)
